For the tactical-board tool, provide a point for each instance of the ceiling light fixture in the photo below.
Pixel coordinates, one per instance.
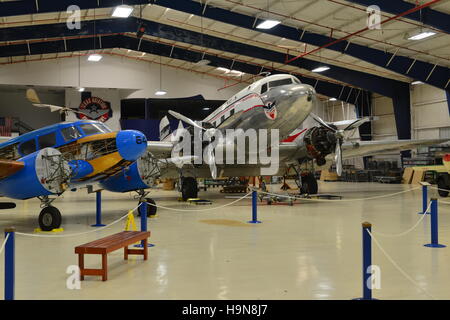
(321, 69)
(421, 35)
(95, 57)
(160, 92)
(416, 82)
(122, 11)
(81, 89)
(268, 24)
(332, 99)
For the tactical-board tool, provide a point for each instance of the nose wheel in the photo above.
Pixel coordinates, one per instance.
(151, 207)
(49, 218)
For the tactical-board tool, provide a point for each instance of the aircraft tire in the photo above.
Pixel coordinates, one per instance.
(443, 182)
(309, 184)
(151, 210)
(49, 219)
(189, 188)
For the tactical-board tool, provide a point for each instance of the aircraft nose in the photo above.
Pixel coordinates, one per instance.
(131, 144)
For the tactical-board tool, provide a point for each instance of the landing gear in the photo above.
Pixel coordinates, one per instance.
(443, 183)
(308, 183)
(151, 208)
(151, 204)
(49, 218)
(189, 188)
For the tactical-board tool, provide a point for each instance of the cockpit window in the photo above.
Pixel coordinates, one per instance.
(263, 88)
(27, 147)
(297, 81)
(281, 82)
(94, 128)
(70, 133)
(48, 140)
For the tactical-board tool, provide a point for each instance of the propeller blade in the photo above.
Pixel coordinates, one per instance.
(338, 157)
(357, 123)
(321, 122)
(185, 119)
(180, 161)
(50, 106)
(212, 165)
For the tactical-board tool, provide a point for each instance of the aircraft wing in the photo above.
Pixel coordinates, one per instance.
(369, 148)
(9, 167)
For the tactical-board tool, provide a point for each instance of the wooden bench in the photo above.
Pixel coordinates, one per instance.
(109, 244)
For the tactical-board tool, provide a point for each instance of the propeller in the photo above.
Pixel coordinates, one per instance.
(210, 157)
(179, 116)
(339, 134)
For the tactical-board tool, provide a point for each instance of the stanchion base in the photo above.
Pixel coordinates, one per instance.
(364, 299)
(434, 245)
(98, 225)
(254, 222)
(140, 245)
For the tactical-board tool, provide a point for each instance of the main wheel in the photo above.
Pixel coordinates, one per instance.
(309, 184)
(189, 188)
(151, 208)
(443, 183)
(49, 219)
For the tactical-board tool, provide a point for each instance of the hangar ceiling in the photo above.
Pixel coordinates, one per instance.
(367, 60)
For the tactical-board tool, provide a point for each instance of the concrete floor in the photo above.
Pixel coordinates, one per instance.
(307, 251)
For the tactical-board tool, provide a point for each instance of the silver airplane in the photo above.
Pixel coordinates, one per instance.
(275, 102)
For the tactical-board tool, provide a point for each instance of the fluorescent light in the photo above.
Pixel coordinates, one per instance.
(236, 73)
(202, 62)
(422, 35)
(321, 69)
(268, 24)
(81, 89)
(122, 11)
(416, 82)
(95, 57)
(223, 69)
(160, 92)
(206, 109)
(332, 99)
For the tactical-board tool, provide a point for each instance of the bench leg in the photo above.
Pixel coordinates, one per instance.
(125, 253)
(145, 249)
(105, 267)
(81, 265)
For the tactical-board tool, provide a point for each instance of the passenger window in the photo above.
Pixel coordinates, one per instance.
(264, 88)
(231, 112)
(27, 147)
(222, 119)
(70, 133)
(281, 82)
(48, 140)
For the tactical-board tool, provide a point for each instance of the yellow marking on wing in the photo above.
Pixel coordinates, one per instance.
(96, 137)
(101, 164)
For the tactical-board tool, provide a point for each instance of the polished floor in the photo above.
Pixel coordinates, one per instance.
(311, 250)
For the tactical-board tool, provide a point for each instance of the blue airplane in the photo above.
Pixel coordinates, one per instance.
(63, 156)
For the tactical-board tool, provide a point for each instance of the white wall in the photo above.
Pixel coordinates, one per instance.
(112, 79)
(115, 72)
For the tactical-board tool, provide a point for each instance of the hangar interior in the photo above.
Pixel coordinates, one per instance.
(387, 60)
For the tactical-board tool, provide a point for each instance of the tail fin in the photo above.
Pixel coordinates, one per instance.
(164, 129)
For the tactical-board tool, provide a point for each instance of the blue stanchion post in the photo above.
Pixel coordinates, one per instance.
(143, 210)
(366, 261)
(9, 264)
(434, 226)
(98, 212)
(254, 208)
(424, 198)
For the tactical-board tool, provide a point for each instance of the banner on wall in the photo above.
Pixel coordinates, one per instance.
(94, 108)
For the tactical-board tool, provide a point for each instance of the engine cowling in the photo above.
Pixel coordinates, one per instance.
(45, 172)
(318, 142)
(140, 175)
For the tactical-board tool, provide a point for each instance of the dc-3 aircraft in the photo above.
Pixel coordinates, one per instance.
(48, 161)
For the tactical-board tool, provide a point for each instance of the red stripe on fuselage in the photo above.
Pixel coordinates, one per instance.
(295, 136)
